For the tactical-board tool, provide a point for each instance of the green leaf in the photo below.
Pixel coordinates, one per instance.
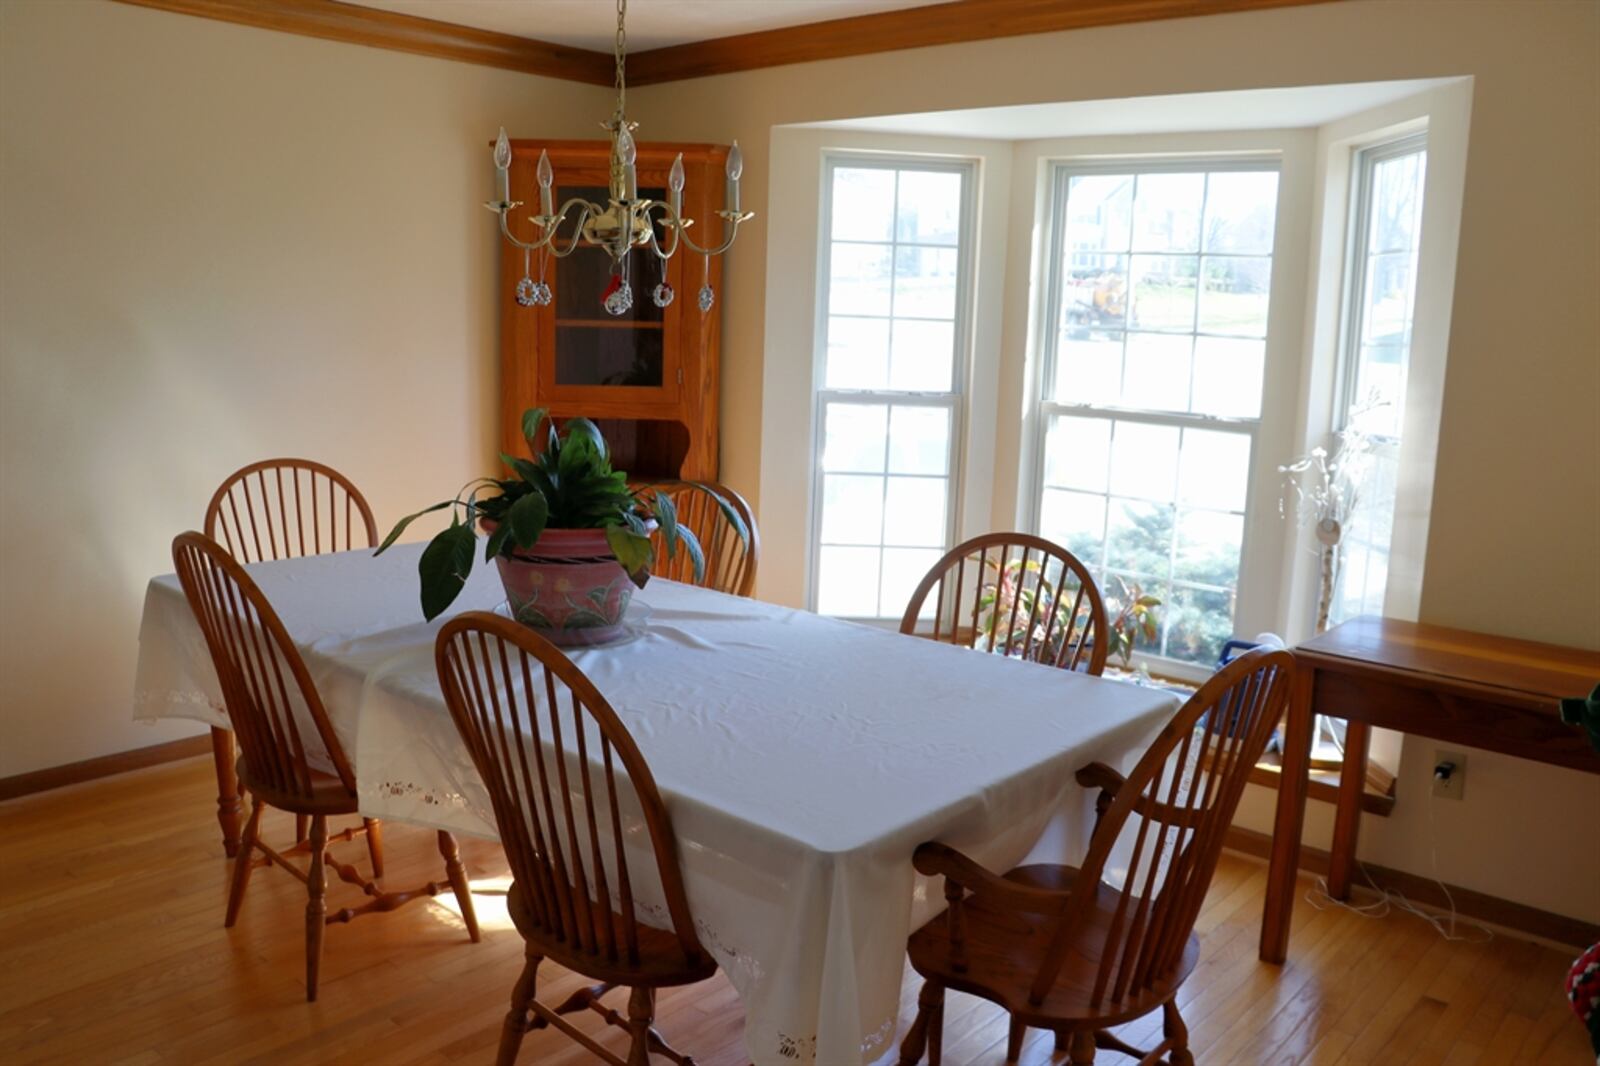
(523, 468)
(632, 551)
(443, 568)
(530, 423)
(577, 427)
(691, 544)
(497, 540)
(527, 519)
(667, 514)
(727, 510)
(400, 526)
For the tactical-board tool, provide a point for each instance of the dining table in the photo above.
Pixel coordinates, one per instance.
(801, 758)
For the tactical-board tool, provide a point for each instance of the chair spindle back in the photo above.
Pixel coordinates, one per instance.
(1016, 595)
(555, 790)
(259, 670)
(730, 562)
(283, 508)
(1184, 790)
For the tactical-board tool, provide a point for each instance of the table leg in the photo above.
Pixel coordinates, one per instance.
(228, 806)
(1279, 909)
(1347, 812)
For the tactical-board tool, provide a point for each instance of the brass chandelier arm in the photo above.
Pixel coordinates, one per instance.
(678, 224)
(549, 240)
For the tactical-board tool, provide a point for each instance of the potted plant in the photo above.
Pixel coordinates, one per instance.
(569, 535)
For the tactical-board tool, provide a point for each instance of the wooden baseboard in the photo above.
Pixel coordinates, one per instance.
(106, 765)
(1546, 925)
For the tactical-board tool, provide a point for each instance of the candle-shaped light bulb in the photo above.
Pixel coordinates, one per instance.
(627, 155)
(502, 167)
(675, 183)
(547, 178)
(735, 168)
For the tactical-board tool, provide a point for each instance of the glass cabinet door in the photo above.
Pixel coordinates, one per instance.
(596, 354)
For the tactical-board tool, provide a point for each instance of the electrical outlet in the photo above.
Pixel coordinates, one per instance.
(1455, 784)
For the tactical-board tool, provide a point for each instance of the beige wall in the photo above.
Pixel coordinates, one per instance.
(1512, 542)
(217, 244)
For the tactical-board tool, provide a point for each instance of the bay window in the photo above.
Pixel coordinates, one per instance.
(1153, 360)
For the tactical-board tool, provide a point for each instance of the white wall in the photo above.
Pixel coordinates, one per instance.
(220, 244)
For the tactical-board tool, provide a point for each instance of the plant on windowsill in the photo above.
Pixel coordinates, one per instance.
(1133, 615)
(568, 534)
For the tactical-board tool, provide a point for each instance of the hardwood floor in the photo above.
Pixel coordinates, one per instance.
(112, 950)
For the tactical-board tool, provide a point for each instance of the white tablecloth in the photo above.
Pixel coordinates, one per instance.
(802, 760)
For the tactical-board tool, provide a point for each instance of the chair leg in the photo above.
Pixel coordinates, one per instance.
(927, 1031)
(641, 1012)
(1080, 1048)
(243, 863)
(316, 906)
(375, 846)
(516, 1023)
(458, 881)
(228, 806)
(1173, 1029)
(1014, 1038)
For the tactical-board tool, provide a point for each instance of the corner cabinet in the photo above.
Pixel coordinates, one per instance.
(648, 378)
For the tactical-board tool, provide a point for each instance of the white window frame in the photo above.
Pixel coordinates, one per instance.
(1364, 162)
(1254, 566)
(961, 367)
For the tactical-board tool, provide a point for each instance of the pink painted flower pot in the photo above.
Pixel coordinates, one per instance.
(568, 588)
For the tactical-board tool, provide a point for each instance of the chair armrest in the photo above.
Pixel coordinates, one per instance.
(1099, 775)
(1108, 781)
(934, 859)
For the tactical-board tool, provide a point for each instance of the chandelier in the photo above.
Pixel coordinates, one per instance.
(623, 224)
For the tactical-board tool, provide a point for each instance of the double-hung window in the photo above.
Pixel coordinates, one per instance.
(1380, 296)
(893, 307)
(1153, 361)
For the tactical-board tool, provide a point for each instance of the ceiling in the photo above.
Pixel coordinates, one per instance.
(1246, 109)
(592, 24)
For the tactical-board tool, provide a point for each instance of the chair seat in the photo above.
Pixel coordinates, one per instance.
(661, 962)
(1006, 948)
(328, 794)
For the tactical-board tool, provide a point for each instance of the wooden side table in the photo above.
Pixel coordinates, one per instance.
(1466, 688)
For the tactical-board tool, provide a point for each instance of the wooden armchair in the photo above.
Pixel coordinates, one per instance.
(280, 509)
(730, 562)
(1017, 595)
(570, 789)
(1065, 949)
(266, 686)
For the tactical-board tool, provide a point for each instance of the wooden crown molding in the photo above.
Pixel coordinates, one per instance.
(354, 24)
(914, 27)
(887, 31)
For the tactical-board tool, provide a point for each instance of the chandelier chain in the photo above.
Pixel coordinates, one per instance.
(622, 57)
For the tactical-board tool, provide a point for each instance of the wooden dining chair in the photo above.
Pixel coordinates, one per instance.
(286, 740)
(569, 787)
(285, 508)
(1077, 951)
(279, 509)
(1016, 595)
(730, 562)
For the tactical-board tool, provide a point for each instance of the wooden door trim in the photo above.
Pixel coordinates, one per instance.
(888, 31)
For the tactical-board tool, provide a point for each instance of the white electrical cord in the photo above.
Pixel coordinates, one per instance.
(1394, 899)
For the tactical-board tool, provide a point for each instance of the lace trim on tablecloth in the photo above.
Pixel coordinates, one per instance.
(164, 703)
(420, 794)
